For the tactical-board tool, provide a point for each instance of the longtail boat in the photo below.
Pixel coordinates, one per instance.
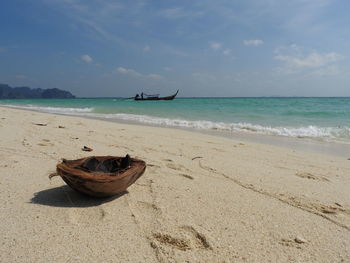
(154, 97)
(100, 176)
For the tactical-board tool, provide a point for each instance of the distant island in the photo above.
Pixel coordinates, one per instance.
(7, 92)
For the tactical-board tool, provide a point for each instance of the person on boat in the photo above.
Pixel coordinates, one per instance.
(142, 95)
(137, 96)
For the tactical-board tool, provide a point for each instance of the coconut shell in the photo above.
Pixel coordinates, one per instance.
(97, 183)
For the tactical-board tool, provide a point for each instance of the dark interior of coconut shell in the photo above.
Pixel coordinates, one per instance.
(107, 165)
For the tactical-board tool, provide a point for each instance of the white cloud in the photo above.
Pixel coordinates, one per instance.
(86, 58)
(290, 49)
(128, 71)
(331, 70)
(253, 42)
(227, 51)
(93, 17)
(215, 45)
(312, 60)
(147, 48)
(134, 73)
(122, 70)
(154, 76)
(295, 61)
(95, 26)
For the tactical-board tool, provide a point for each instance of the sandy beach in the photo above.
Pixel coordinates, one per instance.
(203, 198)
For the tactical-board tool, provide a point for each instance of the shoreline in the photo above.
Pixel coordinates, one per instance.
(311, 145)
(202, 198)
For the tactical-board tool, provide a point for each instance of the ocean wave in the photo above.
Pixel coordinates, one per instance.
(307, 131)
(60, 110)
(311, 131)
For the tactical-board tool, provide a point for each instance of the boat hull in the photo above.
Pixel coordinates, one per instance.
(158, 98)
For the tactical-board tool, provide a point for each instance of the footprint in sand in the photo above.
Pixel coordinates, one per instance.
(219, 150)
(311, 176)
(289, 243)
(186, 176)
(46, 142)
(147, 205)
(239, 145)
(149, 150)
(145, 213)
(199, 240)
(312, 206)
(330, 209)
(177, 167)
(86, 216)
(173, 166)
(174, 242)
(186, 238)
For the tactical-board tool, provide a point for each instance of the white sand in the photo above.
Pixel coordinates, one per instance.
(236, 202)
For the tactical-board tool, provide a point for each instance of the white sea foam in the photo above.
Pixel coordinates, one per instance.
(342, 133)
(307, 131)
(60, 110)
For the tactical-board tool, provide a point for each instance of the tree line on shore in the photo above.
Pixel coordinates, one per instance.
(7, 92)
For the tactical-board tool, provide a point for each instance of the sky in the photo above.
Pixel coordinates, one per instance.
(114, 48)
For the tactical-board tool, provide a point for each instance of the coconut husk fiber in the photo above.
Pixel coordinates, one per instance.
(100, 176)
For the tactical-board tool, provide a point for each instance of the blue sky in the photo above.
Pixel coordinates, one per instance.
(203, 48)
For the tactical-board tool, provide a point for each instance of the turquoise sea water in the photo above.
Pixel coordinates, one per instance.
(317, 118)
